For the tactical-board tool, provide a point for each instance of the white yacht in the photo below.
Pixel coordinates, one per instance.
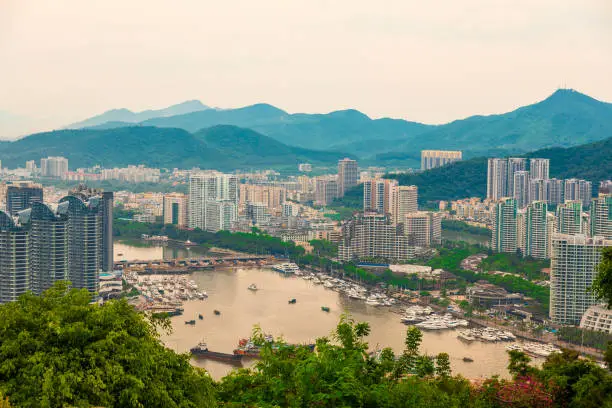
(253, 287)
(286, 268)
(372, 301)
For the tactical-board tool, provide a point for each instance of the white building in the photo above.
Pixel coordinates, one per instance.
(175, 209)
(404, 200)
(504, 235)
(423, 228)
(220, 215)
(601, 216)
(497, 179)
(573, 269)
(597, 318)
(206, 187)
(520, 188)
(431, 159)
(578, 190)
(54, 166)
(539, 168)
(348, 175)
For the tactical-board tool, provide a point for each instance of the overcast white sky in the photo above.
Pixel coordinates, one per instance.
(429, 61)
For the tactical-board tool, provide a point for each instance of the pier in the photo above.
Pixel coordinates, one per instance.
(185, 265)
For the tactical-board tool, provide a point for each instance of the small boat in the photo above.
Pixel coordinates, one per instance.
(325, 308)
(253, 287)
(217, 312)
(200, 317)
(191, 322)
(292, 301)
(468, 359)
(119, 254)
(201, 350)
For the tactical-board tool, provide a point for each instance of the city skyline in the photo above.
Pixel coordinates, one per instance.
(475, 48)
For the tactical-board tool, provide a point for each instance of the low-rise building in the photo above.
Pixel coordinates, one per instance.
(597, 318)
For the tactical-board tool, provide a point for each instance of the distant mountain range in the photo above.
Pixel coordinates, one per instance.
(220, 147)
(566, 118)
(123, 117)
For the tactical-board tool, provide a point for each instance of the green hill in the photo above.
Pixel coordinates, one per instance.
(220, 147)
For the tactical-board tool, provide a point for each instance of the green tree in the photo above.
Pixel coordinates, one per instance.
(519, 363)
(602, 286)
(443, 367)
(60, 350)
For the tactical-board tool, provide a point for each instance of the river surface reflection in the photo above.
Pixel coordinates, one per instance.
(302, 322)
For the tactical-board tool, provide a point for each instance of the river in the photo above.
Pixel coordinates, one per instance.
(302, 322)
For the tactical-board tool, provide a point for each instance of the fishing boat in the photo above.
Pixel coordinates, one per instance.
(292, 301)
(468, 359)
(253, 287)
(325, 308)
(191, 322)
(217, 312)
(200, 317)
(201, 350)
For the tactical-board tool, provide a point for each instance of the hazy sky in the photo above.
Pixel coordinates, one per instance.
(430, 61)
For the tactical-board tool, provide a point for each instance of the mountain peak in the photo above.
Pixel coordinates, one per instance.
(564, 95)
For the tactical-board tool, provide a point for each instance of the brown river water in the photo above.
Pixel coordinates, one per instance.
(302, 322)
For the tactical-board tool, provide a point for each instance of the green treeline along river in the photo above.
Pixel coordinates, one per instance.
(302, 322)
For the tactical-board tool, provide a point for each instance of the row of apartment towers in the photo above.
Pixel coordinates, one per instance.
(44, 243)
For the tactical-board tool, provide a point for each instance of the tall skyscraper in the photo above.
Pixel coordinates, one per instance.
(175, 209)
(515, 164)
(54, 166)
(85, 240)
(537, 190)
(569, 218)
(423, 228)
(48, 244)
(404, 200)
(497, 179)
(554, 191)
(348, 175)
(601, 216)
(536, 231)
(326, 189)
(21, 195)
(578, 190)
(431, 159)
(539, 168)
(205, 187)
(573, 269)
(520, 188)
(378, 195)
(257, 213)
(372, 235)
(14, 259)
(220, 215)
(504, 235)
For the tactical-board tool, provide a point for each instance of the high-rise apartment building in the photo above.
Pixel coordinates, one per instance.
(378, 195)
(573, 270)
(209, 186)
(21, 195)
(569, 218)
(521, 231)
(326, 190)
(404, 200)
(431, 159)
(536, 230)
(48, 244)
(423, 228)
(14, 259)
(175, 209)
(520, 188)
(515, 164)
(257, 213)
(601, 216)
(272, 196)
(497, 179)
(220, 215)
(504, 235)
(348, 175)
(578, 190)
(54, 167)
(554, 191)
(539, 168)
(537, 190)
(373, 235)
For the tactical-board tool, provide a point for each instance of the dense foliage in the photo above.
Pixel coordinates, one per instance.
(529, 267)
(57, 349)
(602, 286)
(589, 338)
(455, 225)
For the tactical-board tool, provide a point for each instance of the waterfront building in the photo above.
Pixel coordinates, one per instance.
(21, 194)
(326, 190)
(504, 237)
(536, 230)
(573, 269)
(348, 175)
(497, 179)
(15, 277)
(423, 228)
(578, 190)
(520, 188)
(378, 195)
(431, 159)
(404, 200)
(206, 187)
(220, 215)
(601, 216)
(539, 168)
(554, 191)
(597, 318)
(175, 209)
(515, 164)
(373, 235)
(54, 166)
(487, 295)
(569, 218)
